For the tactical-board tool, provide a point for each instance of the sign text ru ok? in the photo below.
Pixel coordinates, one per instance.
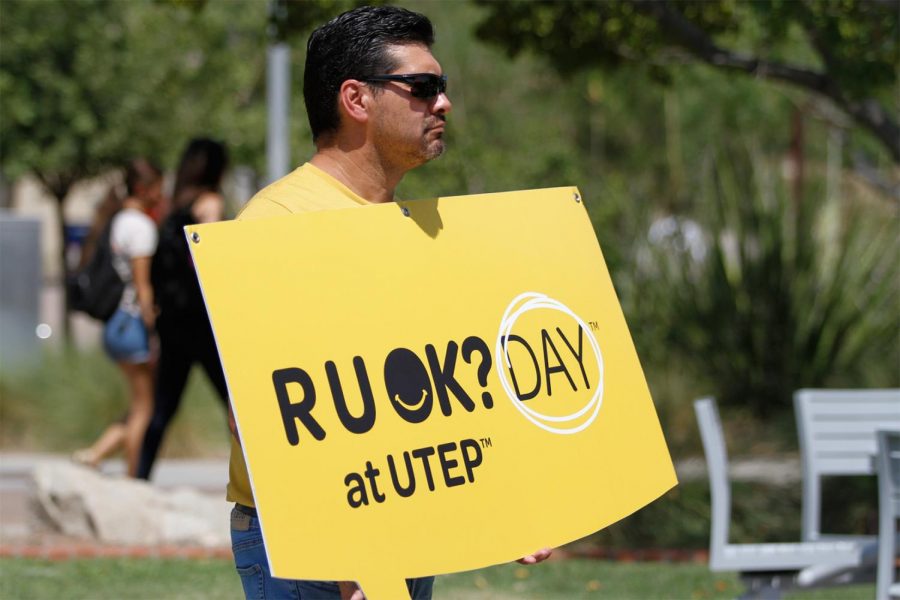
(411, 386)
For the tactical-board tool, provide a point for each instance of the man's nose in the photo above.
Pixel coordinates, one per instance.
(442, 104)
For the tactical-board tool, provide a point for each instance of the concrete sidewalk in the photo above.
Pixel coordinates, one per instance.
(206, 474)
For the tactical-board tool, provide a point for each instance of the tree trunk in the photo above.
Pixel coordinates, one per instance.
(64, 268)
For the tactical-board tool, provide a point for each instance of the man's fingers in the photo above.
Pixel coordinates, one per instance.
(539, 556)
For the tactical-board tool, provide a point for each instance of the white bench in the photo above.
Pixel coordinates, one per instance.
(769, 569)
(836, 430)
(888, 467)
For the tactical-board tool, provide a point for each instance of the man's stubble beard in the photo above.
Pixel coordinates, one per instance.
(435, 149)
(428, 151)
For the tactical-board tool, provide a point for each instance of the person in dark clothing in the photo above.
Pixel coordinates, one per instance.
(185, 334)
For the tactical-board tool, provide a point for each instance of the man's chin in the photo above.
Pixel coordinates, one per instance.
(435, 149)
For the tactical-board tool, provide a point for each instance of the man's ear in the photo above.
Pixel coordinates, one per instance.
(354, 99)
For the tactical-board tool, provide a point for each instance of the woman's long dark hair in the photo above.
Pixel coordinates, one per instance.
(141, 171)
(138, 171)
(200, 171)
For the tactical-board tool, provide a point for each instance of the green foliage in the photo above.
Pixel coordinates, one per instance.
(678, 519)
(761, 513)
(846, 51)
(762, 294)
(86, 85)
(64, 403)
(856, 39)
(576, 35)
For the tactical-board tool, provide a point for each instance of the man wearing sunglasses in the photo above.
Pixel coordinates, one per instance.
(377, 105)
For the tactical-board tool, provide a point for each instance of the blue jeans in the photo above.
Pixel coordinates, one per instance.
(125, 338)
(253, 568)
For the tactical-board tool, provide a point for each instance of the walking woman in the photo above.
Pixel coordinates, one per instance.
(183, 326)
(127, 334)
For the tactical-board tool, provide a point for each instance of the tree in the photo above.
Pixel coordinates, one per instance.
(84, 86)
(850, 47)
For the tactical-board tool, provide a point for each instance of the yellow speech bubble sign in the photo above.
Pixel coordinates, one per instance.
(429, 387)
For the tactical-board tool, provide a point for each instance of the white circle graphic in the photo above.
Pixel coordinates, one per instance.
(519, 306)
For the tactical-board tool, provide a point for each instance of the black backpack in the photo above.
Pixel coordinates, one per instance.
(176, 290)
(97, 288)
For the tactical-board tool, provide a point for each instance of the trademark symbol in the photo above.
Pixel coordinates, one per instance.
(485, 442)
(594, 325)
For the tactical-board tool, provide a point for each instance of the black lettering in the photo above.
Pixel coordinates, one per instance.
(449, 463)
(423, 454)
(444, 379)
(410, 489)
(579, 356)
(408, 385)
(366, 420)
(560, 366)
(297, 410)
(371, 473)
(512, 373)
(470, 461)
(469, 345)
(358, 490)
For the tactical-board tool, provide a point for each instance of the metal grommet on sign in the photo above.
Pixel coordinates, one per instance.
(195, 237)
(405, 211)
(577, 197)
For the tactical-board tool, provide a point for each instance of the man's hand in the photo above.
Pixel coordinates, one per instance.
(539, 556)
(350, 591)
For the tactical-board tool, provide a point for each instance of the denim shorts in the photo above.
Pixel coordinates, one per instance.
(258, 583)
(125, 338)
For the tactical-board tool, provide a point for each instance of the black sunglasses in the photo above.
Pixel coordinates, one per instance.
(421, 85)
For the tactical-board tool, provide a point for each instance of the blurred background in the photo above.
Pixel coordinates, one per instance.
(739, 161)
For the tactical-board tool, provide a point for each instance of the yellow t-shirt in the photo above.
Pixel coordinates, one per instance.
(306, 189)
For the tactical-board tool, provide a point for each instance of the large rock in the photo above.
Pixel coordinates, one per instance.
(84, 503)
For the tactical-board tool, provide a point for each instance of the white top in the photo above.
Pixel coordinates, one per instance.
(133, 235)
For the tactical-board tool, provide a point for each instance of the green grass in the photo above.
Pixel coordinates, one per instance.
(587, 579)
(157, 579)
(148, 579)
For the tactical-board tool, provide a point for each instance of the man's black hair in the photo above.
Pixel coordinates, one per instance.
(355, 45)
